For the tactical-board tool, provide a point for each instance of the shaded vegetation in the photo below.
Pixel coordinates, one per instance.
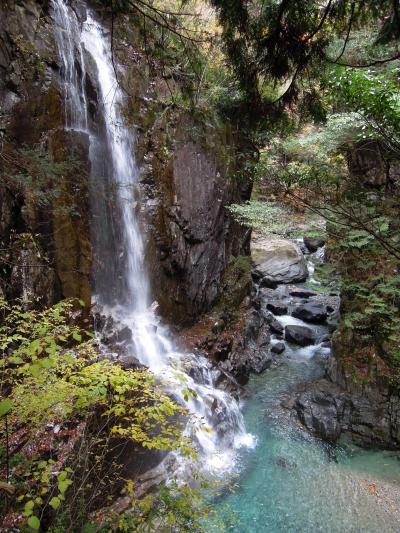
(58, 394)
(333, 70)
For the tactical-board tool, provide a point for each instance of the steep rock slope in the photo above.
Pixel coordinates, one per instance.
(187, 168)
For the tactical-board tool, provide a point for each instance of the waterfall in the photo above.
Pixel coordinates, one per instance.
(121, 283)
(67, 34)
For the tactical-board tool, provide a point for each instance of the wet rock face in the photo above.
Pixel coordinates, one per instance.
(300, 335)
(370, 417)
(32, 279)
(116, 337)
(44, 221)
(72, 246)
(194, 235)
(279, 261)
(311, 312)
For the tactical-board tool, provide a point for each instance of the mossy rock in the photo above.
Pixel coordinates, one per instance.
(236, 284)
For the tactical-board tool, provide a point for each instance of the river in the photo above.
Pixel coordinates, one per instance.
(292, 482)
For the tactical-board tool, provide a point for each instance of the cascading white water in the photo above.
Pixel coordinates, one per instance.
(218, 427)
(67, 32)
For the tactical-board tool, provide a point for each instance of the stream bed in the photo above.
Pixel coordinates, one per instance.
(293, 482)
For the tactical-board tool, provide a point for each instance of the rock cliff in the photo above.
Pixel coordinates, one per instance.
(188, 166)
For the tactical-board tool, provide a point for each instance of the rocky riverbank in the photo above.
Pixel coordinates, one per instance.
(283, 314)
(251, 337)
(337, 405)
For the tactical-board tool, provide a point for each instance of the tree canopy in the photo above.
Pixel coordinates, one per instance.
(276, 47)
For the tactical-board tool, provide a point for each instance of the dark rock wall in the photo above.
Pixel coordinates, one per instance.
(369, 415)
(45, 249)
(192, 235)
(187, 174)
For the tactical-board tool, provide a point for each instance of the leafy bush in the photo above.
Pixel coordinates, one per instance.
(53, 376)
(267, 218)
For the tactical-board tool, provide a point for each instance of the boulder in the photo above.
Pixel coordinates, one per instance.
(274, 325)
(319, 410)
(300, 335)
(279, 261)
(302, 293)
(311, 312)
(278, 347)
(312, 245)
(251, 350)
(369, 416)
(277, 308)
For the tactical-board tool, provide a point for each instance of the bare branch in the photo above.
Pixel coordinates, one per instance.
(353, 5)
(372, 63)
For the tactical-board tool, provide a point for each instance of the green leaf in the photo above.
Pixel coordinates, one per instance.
(5, 406)
(16, 360)
(47, 362)
(34, 347)
(55, 502)
(35, 370)
(34, 522)
(63, 485)
(28, 508)
(76, 336)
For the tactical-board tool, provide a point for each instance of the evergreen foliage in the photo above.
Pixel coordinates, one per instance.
(336, 68)
(275, 47)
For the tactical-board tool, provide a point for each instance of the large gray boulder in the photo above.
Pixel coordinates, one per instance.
(251, 351)
(279, 261)
(320, 409)
(300, 335)
(370, 417)
(311, 312)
